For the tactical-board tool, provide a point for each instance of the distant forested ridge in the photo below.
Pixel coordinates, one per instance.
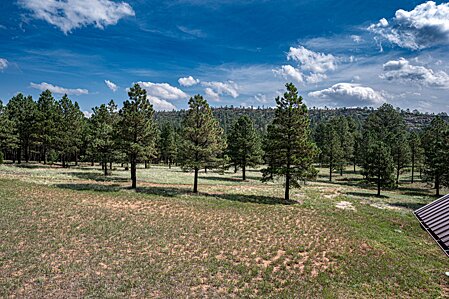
(262, 116)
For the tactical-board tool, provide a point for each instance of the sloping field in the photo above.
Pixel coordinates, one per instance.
(73, 233)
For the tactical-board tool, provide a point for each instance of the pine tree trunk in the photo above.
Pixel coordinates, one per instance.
(397, 175)
(244, 172)
(27, 153)
(146, 164)
(378, 183)
(413, 167)
(378, 186)
(330, 172)
(133, 172)
(76, 158)
(19, 155)
(195, 181)
(110, 165)
(105, 168)
(287, 185)
(437, 185)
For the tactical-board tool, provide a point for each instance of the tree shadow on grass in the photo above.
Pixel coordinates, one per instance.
(259, 199)
(220, 178)
(409, 205)
(245, 198)
(346, 182)
(413, 191)
(366, 194)
(91, 187)
(96, 177)
(173, 192)
(30, 166)
(164, 191)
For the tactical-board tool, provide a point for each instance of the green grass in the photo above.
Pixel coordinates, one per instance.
(73, 233)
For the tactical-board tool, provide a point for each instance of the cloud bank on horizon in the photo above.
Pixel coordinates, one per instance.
(396, 52)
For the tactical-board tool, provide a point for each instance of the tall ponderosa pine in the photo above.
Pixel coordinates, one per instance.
(346, 139)
(47, 121)
(289, 151)
(400, 151)
(436, 153)
(22, 111)
(244, 146)
(416, 153)
(103, 124)
(203, 141)
(331, 146)
(71, 126)
(136, 129)
(168, 144)
(8, 132)
(377, 163)
(386, 125)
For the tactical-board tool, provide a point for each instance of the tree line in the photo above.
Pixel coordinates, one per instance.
(290, 147)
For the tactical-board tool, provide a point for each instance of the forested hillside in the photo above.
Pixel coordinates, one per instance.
(262, 117)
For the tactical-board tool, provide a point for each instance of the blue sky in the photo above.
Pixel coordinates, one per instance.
(338, 53)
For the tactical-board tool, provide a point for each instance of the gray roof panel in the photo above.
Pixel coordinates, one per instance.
(434, 218)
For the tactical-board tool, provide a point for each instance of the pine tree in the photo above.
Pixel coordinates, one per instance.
(244, 147)
(436, 153)
(103, 123)
(168, 144)
(22, 111)
(47, 121)
(386, 125)
(203, 140)
(8, 132)
(377, 163)
(319, 134)
(400, 150)
(136, 129)
(71, 126)
(346, 140)
(331, 147)
(416, 152)
(289, 151)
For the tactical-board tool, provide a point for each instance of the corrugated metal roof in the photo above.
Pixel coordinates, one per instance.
(434, 218)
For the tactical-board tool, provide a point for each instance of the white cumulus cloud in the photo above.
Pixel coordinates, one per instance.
(163, 91)
(288, 71)
(112, 86)
(210, 93)
(3, 63)
(160, 104)
(311, 66)
(425, 26)
(72, 14)
(188, 81)
(403, 71)
(216, 89)
(59, 90)
(350, 95)
(312, 61)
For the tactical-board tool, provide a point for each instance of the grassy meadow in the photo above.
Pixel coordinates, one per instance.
(74, 233)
